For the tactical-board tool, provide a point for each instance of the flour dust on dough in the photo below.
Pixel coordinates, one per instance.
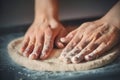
(53, 63)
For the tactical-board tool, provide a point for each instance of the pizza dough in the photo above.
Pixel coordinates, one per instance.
(53, 63)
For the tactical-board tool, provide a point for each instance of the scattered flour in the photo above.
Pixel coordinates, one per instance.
(22, 73)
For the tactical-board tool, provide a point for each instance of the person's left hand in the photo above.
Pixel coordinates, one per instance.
(89, 41)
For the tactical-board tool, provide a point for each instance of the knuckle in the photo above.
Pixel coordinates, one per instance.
(48, 42)
(25, 40)
(48, 31)
(78, 47)
(88, 57)
(86, 23)
(47, 47)
(24, 46)
(31, 43)
(38, 45)
(97, 35)
(27, 50)
(76, 50)
(48, 38)
(26, 36)
(88, 49)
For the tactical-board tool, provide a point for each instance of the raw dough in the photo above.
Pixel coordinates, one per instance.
(54, 64)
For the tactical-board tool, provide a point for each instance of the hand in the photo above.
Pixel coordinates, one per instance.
(89, 41)
(40, 38)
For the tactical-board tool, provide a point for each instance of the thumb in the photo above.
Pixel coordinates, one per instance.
(58, 43)
(68, 37)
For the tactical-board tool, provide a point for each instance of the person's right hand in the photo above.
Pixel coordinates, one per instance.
(39, 39)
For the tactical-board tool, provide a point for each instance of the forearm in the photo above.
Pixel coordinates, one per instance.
(46, 9)
(113, 15)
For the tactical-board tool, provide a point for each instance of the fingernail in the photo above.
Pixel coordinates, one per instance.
(32, 56)
(88, 57)
(62, 40)
(42, 56)
(60, 45)
(67, 60)
(77, 59)
(63, 54)
(20, 51)
(25, 54)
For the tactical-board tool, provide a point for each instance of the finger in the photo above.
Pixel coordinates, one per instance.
(69, 37)
(29, 48)
(66, 57)
(84, 50)
(73, 43)
(58, 43)
(88, 49)
(24, 44)
(75, 51)
(78, 57)
(97, 52)
(75, 36)
(106, 45)
(78, 51)
(48, 44)
(70, 46)
(38, 48)
(67, 60)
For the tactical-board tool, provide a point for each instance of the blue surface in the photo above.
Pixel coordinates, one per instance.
(11, 71)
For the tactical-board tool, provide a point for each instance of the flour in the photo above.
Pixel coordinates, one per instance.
(21, 73)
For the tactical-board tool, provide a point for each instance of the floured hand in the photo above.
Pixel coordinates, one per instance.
(40, 38)
(89, 41)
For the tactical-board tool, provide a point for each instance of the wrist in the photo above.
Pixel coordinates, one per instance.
(44, 18)
(46, 9)
(113, 16)
(112, 19)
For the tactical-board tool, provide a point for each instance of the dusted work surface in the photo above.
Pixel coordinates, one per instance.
(11, 71)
